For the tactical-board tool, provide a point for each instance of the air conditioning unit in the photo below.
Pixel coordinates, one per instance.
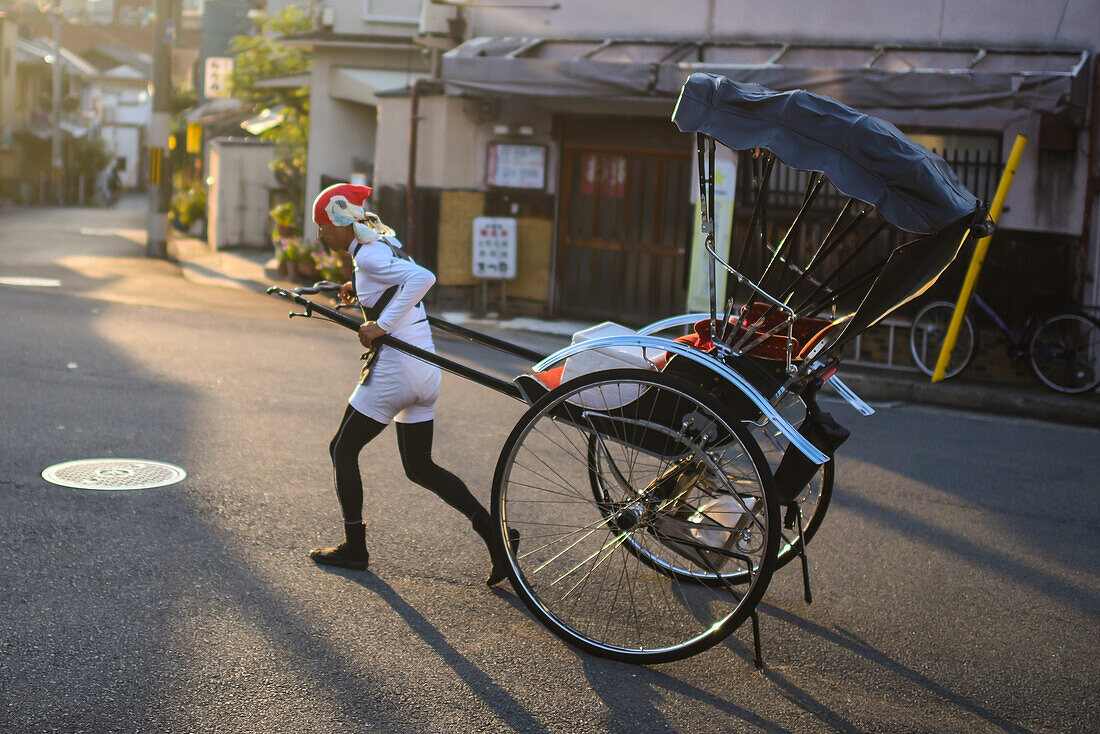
(435, 18)
(328, 16)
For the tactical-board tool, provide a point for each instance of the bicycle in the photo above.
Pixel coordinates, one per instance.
(1062, 350)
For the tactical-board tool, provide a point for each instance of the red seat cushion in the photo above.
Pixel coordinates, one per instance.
(775, 346)
(550, 378)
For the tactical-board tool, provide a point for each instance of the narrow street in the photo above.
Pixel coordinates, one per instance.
(955, 578)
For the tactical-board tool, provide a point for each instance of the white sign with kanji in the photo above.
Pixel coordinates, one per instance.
(216, 80)
(494, 248)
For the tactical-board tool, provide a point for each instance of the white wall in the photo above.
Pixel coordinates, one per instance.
(340, 131)
(239, 197)
(992, 22)
(355, 16)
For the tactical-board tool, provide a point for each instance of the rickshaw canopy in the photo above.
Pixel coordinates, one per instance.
(864, 157)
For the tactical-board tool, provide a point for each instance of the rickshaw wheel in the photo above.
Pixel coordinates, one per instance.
(686, 485)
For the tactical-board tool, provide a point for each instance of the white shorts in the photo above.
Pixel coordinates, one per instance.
(401, 388)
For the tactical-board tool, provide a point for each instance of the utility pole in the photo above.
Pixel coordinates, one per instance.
(160, 174)
(56, 160)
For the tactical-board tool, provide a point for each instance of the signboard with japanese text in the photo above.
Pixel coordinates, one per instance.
(218, 69)
(494, 248)
(516, 166)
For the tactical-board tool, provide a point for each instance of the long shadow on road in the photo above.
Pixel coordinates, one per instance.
(852, 644)
(491, 693)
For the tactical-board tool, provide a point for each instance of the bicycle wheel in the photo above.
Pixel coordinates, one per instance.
(928, 332)
(1065, 351)
(812, 503)
(682, 486)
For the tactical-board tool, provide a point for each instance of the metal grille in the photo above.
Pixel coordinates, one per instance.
(113, 474)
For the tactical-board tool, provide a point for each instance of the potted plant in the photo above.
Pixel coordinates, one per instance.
(286, 253)
(286, 219)
(306, 260)
(330, 266)
(189, 206)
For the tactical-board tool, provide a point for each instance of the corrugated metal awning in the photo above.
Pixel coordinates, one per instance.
(880, 77)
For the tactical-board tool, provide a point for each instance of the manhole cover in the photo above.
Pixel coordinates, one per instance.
(114, 474)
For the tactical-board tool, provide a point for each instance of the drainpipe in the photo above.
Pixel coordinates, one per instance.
(410, 183)
(56, 156)
(1092, 190)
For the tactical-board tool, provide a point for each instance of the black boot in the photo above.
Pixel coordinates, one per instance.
(483, 524)
(352, 553)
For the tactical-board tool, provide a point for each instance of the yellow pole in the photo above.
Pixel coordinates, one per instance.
(978, 258)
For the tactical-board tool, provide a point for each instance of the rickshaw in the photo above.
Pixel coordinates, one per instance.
(659, 480)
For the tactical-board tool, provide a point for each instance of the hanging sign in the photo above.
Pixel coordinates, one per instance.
(216, 79)
(494, 248)
(516, 166)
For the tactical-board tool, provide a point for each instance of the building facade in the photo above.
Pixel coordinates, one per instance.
(360, 48)
(557, 115)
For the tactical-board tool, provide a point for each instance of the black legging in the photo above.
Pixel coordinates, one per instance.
(414, 441)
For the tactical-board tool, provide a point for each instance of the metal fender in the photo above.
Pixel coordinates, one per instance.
(682, 320)
(668, 345)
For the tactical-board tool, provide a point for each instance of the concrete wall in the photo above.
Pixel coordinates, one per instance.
(452, 141)
(994, 22)
(364, 16)
(450, 145)
(341, 131)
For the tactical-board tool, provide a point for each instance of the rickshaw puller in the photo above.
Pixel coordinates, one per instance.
(394, 386)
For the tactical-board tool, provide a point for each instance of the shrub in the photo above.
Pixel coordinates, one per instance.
(189, 201)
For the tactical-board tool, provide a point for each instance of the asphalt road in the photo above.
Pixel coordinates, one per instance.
(955, 578)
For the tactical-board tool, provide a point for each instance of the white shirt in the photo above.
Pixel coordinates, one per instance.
(377, 268)
(400, 387)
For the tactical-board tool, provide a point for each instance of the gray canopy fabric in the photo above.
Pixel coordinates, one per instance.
(864, 157)
(866, 77)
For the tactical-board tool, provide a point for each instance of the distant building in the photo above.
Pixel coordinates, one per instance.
(118, 99)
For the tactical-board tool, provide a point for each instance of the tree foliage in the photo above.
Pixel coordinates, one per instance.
(265, 55)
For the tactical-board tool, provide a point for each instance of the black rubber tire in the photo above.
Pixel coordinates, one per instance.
(512, 484)
(1063, 353)
(927, 334)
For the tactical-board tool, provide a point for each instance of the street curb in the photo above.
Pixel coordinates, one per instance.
(1020, 401)
(255, 270)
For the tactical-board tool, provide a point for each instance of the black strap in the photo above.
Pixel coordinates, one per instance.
(398, 252)
(373, 312)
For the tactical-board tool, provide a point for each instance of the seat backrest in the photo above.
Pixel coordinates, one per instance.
(773, 347)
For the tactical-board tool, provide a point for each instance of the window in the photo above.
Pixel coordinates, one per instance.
(391, 11)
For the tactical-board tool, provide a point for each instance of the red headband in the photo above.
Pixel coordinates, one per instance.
(340, 205)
